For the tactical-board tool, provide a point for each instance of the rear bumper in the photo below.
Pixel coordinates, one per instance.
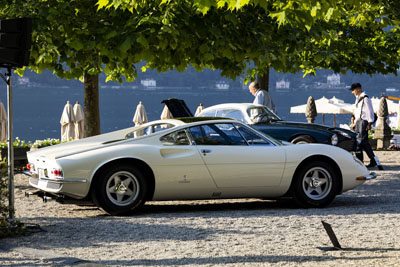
(63, 181)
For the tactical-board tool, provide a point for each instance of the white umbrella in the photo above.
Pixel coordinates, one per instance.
(3, 123)
(79, 121)
(199, 109)
(140, 116)
(166, 114)
(325, 106)
(392, 106)
(67, 123)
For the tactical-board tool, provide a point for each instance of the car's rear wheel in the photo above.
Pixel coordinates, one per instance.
(120, 190)
(302, 139)
(315, 185)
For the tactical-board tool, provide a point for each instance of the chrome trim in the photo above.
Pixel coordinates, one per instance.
(370, 176)
(334, 139)
(64, 181)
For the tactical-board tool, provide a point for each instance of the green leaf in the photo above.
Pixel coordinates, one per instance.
(329, 13)
(76, 44)
(125, 46)
(142, 40)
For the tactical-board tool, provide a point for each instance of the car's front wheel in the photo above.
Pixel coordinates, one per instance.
(119, 190)
(315, 185)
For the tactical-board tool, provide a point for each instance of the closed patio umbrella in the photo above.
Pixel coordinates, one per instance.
(67, 122)
(79, 121)
(3, 123)
(166, 114)
(140, 116)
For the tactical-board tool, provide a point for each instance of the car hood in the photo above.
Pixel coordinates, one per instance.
(82, 145)
(310, 126)
(178, 108)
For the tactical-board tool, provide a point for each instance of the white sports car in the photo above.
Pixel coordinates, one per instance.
(192, 158)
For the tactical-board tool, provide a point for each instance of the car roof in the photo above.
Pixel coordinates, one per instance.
(185, 120)
(244, 106)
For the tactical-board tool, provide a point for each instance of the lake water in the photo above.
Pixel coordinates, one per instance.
(37, 111)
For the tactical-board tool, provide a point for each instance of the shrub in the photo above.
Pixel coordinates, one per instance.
(46, 142)
(8, 227)
(17, 143)
(3, 188)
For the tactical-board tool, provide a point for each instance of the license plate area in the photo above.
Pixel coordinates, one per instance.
(42, 184)
(42, 173)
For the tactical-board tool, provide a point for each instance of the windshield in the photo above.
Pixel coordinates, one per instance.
(261, 114)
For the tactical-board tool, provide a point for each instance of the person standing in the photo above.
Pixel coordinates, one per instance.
(261, 97)
(364, 118)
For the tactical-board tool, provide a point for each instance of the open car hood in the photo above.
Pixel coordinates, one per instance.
(178, 108)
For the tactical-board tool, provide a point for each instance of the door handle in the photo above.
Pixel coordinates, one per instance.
(205, 151)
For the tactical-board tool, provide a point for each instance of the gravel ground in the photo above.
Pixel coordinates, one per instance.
(248, 232)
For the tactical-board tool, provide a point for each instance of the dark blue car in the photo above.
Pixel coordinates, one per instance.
(264, 120)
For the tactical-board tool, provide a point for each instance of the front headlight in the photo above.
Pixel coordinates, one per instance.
(334, 140)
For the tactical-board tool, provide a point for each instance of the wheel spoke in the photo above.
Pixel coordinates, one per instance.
(117, 180)
(323, 180)
(310, 190)
(128, 192)
(318, 189)
(111, 189)
(315, 174)
(127, 181)
(120, 196)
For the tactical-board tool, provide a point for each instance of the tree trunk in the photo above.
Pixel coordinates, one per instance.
(91, 105)
(263, 80)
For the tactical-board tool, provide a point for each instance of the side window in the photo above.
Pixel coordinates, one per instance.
(252, 137)
(178, 138)
(217, 134)
(210, 113)
(234, 114)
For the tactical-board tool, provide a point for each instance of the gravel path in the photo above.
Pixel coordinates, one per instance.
(248, 232)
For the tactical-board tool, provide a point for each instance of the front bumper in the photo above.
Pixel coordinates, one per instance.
(370, 176)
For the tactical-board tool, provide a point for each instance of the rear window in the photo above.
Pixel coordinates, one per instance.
(155, 128)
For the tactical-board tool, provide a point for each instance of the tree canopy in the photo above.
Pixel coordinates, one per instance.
(82, 38)
(287, 35)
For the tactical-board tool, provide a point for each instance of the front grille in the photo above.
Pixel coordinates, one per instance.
(349, 145)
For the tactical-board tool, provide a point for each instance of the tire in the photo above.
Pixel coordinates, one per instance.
(120, 190)
(315, 185)
(302, 139)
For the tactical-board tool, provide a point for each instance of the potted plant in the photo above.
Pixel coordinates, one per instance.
(20, 149)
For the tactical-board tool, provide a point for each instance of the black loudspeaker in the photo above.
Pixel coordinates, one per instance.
(15, 42)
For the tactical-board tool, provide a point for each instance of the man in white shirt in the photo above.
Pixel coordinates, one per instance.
(364, 118)
(261, 97)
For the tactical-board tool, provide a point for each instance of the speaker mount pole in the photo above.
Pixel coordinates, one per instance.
(10, 157)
